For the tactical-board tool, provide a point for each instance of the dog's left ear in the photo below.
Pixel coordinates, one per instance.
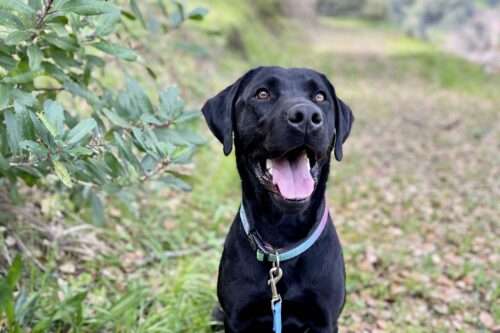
(343, 121)
(219, 112)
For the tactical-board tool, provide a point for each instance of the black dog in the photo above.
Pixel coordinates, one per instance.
(285, 123)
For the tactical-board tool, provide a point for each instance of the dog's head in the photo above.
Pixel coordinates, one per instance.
(285, 124)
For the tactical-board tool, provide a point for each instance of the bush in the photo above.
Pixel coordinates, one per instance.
(61, 126)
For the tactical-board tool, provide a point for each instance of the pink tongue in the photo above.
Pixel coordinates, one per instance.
(293, 177)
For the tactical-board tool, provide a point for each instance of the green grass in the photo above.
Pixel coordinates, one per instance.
(415, 57)
(412, 200)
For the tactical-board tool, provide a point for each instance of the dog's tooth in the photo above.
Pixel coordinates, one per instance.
(269, 166)
(308, 163)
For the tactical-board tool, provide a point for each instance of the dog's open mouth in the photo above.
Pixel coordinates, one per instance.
(292, 176)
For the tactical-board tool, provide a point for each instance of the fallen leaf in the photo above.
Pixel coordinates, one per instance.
(486, 319)
(68, 268)
(10, 241)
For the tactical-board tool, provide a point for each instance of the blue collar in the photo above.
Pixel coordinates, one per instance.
(266, 252)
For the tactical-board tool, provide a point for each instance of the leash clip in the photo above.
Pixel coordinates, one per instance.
(275, 274)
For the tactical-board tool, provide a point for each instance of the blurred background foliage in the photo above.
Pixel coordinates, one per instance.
(109, 223)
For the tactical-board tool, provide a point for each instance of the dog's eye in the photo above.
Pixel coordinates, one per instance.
(263, 94)
(319, 97)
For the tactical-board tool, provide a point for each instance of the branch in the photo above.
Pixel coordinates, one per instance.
(160, 167)
(7, 107)
(165, 125)
(43, 14)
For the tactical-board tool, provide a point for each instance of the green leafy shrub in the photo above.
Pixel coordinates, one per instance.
(61, 127)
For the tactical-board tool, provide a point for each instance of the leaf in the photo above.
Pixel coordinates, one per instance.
(41, 130)
(198, 13)
(62, 173)
(178, 16)
(63, 58)
(23, 97)
(183, 155)
(35, 4)
(55, 72)
(88, 7)
(187, 116)
(48, 125)
(128, 14)
(180, 136)
(18, 6)
(15, 271)
(4, 164)
(81, 91)
(126, 152)
(125, 107)
(97, 169)
(175, 182)
(24, 77)
(29, 174)
(5, 93)
(80, 151)
(55, 115)
(115, 50)
(176, 19)
(9, 20)
(113, 163)
(14, 131)
(56, 17)
(18, 36)
(34, 147)
(138, 96)
(137, 12)
(95, 61)
(81, 130)
(149, 163)
(35, 56)
(7, 62)
(65, 43)
(149, 118)
(170, 102)
(151, 72)
(97, 209)
(115, 118)
(106, 23)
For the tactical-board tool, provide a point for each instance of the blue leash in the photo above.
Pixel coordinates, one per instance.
(277, 317)
(275, 274)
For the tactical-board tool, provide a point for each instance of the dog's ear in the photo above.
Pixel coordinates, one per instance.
(219, 112)
(343, 123)
(343, 120)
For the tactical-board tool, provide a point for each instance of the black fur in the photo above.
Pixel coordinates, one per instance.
(312, 286)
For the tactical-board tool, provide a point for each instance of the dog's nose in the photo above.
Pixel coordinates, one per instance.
(305, 117)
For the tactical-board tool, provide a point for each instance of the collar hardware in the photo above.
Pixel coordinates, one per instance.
(266, 252)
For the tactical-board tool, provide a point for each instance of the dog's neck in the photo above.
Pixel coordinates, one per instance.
(278, 227)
